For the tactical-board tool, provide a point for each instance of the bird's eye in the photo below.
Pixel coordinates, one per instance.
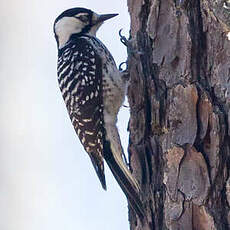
(83, 18)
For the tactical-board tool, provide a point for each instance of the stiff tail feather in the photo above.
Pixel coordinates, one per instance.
(124, 178)
(99, 168)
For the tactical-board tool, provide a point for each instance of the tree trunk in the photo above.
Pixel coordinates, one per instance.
(179, 98)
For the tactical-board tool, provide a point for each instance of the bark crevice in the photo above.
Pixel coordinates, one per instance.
(179, 97)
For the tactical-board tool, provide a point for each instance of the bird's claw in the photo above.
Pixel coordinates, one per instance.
(128, 44)
(120, 66)
(123, 39)
(124, 73)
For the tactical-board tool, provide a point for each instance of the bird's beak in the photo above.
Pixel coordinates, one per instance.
(104, 17)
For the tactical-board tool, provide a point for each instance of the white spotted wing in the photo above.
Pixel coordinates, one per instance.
(80, 81)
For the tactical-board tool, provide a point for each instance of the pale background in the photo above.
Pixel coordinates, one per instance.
(47, 181)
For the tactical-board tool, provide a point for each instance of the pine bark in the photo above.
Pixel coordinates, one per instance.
(179, 97)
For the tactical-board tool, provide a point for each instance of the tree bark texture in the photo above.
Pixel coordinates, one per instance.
(179, 96)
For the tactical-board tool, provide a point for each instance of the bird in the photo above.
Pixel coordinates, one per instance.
(93, 90)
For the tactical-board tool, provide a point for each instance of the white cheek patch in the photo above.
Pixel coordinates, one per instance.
(65, 27)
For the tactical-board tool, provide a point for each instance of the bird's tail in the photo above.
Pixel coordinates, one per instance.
(99, 168)
(113, 155)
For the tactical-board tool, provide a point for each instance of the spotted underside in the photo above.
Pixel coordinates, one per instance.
(80, 81)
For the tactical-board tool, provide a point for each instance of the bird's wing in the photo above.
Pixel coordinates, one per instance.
(82, 92)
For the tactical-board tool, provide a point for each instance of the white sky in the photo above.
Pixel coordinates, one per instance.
(46, 179)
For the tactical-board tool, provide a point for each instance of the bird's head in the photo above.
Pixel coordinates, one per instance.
(77, 21)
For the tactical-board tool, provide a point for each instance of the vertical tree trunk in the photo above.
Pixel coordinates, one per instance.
(179, 98)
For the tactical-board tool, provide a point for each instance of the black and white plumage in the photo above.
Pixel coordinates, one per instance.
(93, 90)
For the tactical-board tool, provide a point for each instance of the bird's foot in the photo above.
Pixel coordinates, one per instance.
(124, 72)
(123, 39)
(120, 66)
(129, 44)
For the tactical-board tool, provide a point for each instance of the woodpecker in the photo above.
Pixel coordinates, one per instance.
(93, 90)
